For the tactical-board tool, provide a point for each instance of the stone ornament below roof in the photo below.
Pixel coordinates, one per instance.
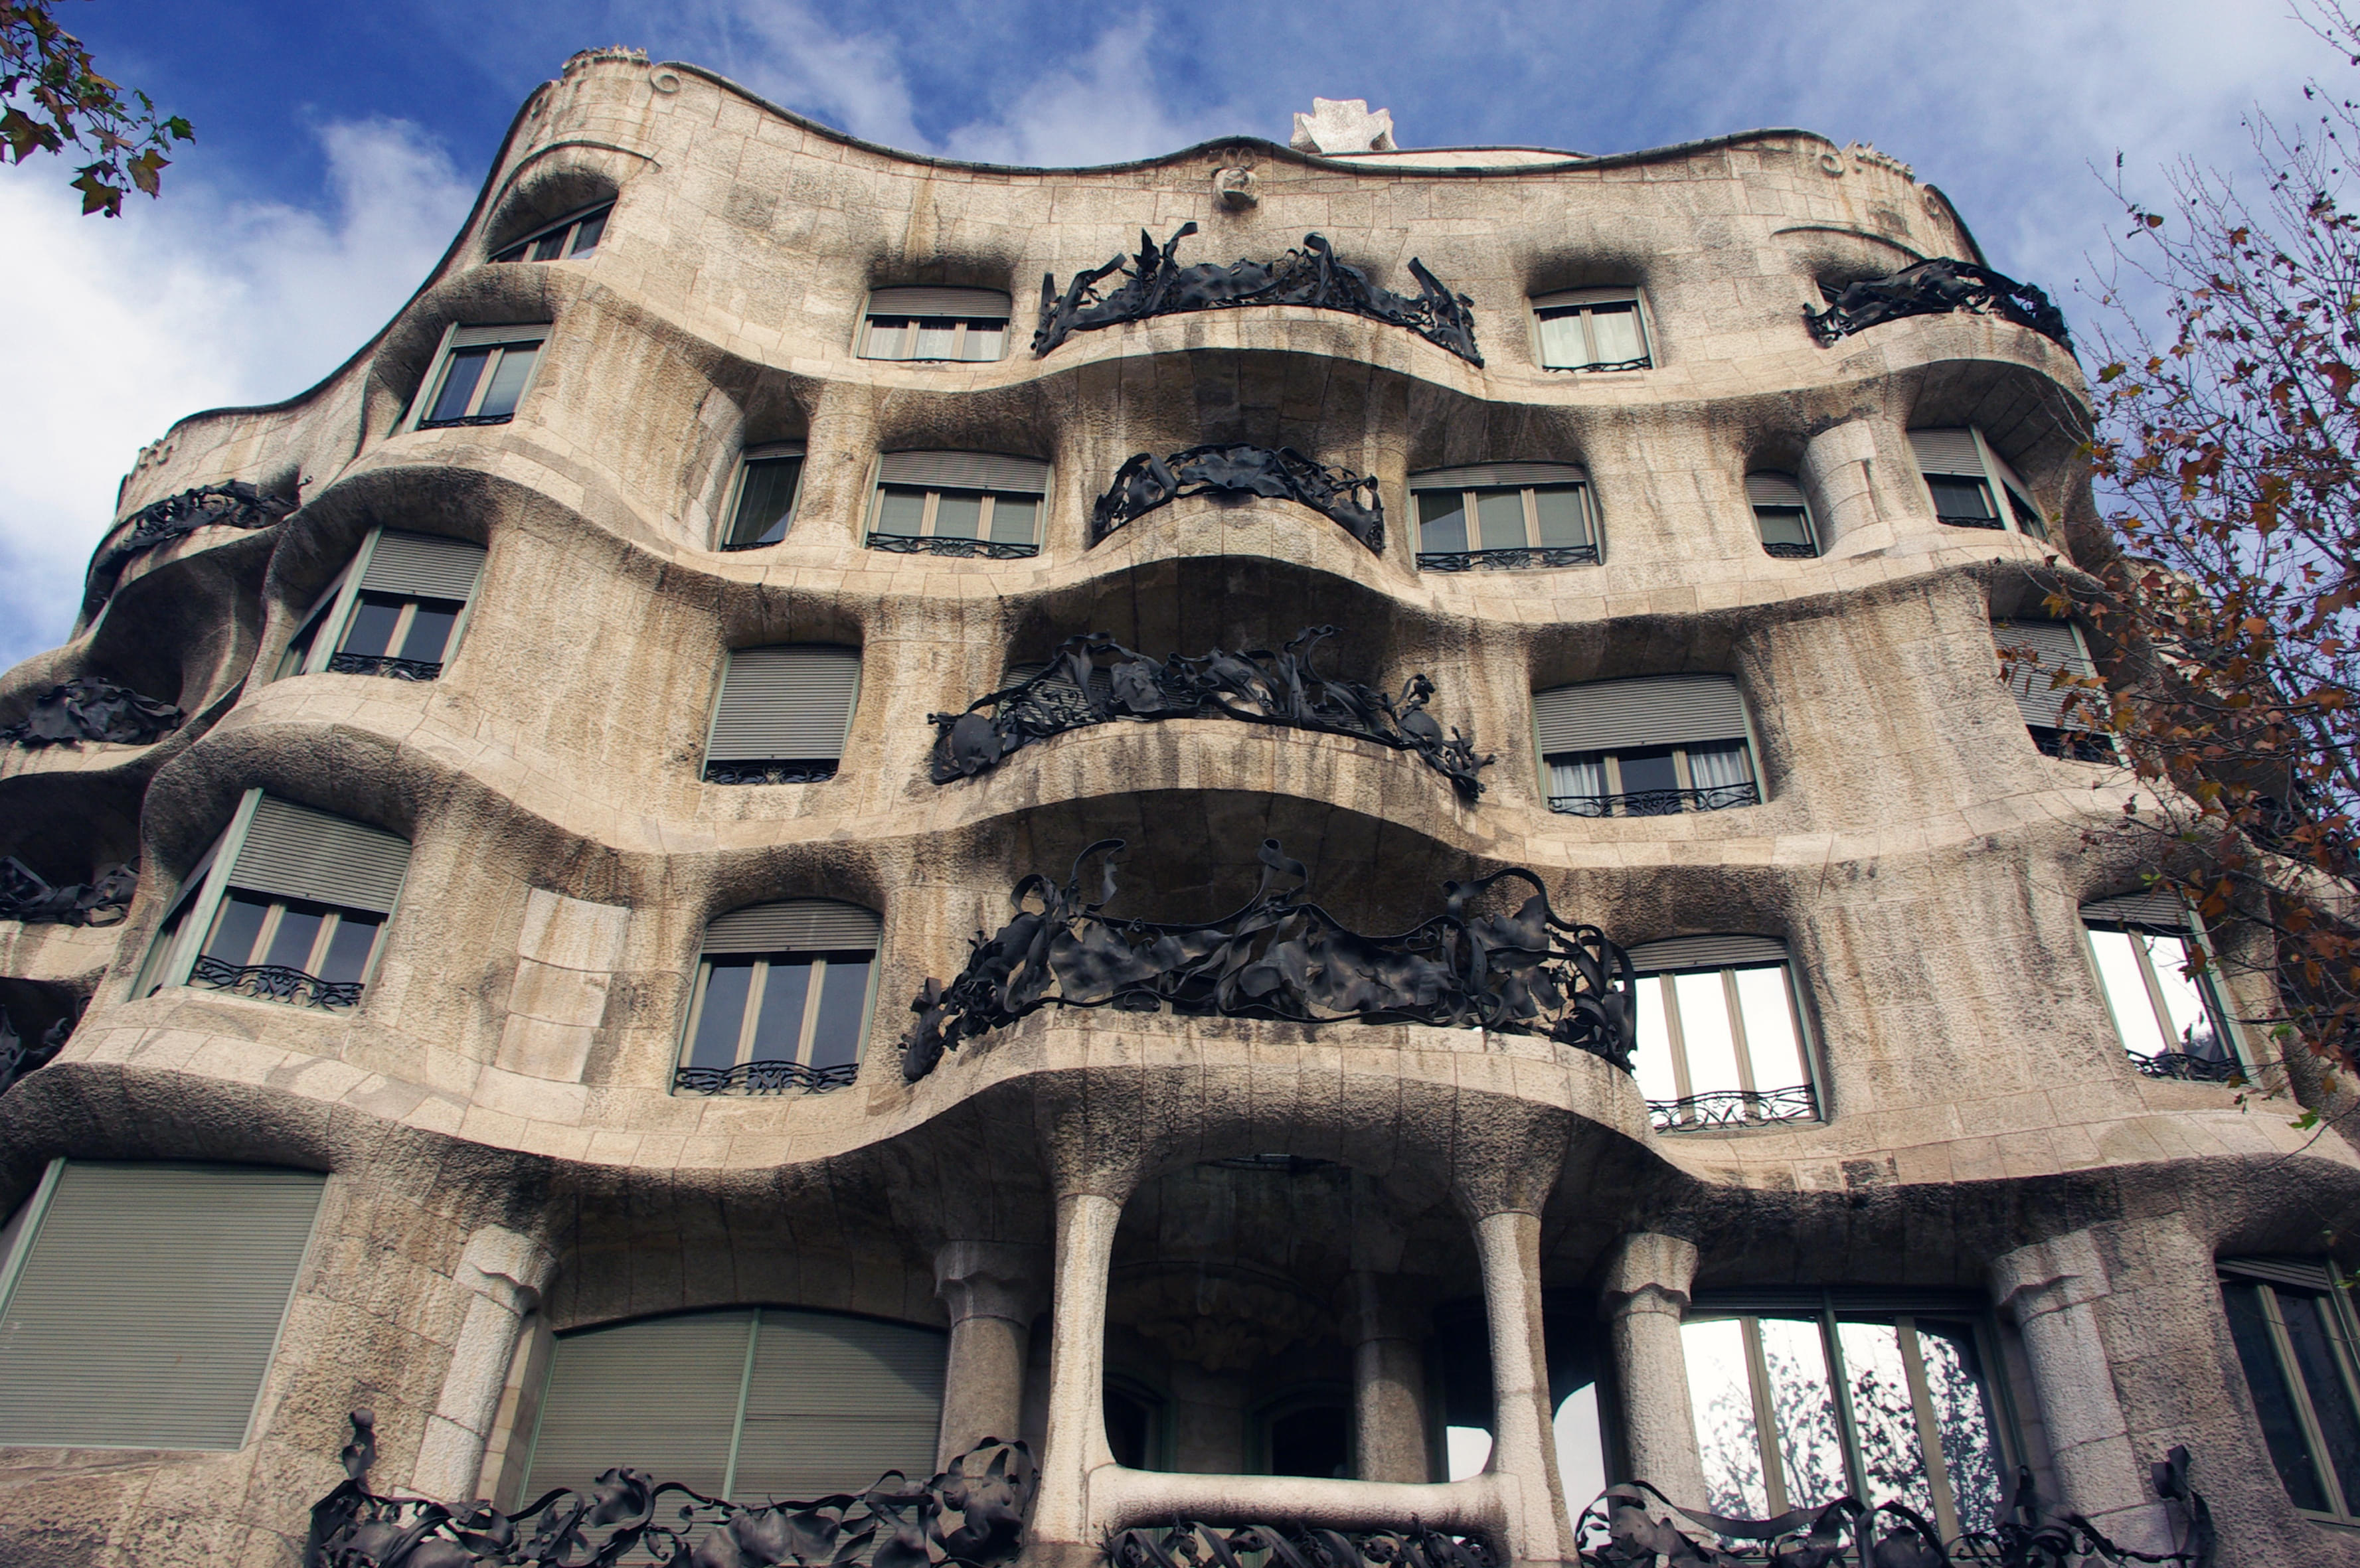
(1343, 124)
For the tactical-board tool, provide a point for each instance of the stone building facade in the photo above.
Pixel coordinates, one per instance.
(503, 1032)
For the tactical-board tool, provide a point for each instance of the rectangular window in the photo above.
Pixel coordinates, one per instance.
(1721, 1033)
(1964, 478)
(762, 497)
(1503, 514)
(563, 240)
(480, 375)
(2046, 647)
(958, 503)
(1796, 1406)
(1593, 329)
(2156, 972)
(963, 324)
(2293, 1326)
(1782, 517)
(782, 714)
(781, 1000)
(397, 612)
(141, 1303)
(1650, 746)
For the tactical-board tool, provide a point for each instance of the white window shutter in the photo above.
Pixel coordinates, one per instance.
(965, 470)
(1651, 710)
(1499, 476)
(2042, 704)
(835, 1402)
(424, 566)
(293, 851)
(1948, 451)
(1705, 952)
(964, 304)
(795, 925)
(788, 702)
(660, 1396)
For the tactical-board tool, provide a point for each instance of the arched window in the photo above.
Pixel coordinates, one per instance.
(1593, 329)
(781, 999)
(2060, 732)
(960, 324)
(568, 239)
(1494, 515)
(1965, 478)
(2158, 981)
(1721, 1041)
(958, 503)
(1782, 515)
(1651, 746)
(782, 714)
(397, 610)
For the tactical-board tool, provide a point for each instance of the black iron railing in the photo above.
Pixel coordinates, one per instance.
(764, 1078)
(1734, 1108)
(465, 420)
(384, 664)
(929, 544)
(1642, 362)
(1788, 549)
(1968, 522)
(274, 983)
(1512, 559)
(104, 900)
(1658, 803)
(86, 708)
(770, 772)
(2073, 746)
(2188, 1068)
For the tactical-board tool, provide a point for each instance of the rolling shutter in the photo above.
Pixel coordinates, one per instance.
(480, 337)
(795, 925)
(148, 1307)
(1948, 451)
(1498, 476)
(1566, 298)
(2042, 704)
(659, 1395)
(965, 470)
(1705, 952)
(1772, 490)
(1653, 710)
(965, 304)
(425, 566)
(835, 1402)
(293, 851)
(2157, 911)
(785, 703)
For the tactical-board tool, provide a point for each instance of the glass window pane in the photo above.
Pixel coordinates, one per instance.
(779, 1025)
(1581, 1448)
(1962, 1414)
(1500, 518)
(235, 928)
(1562, 344)
(766, 495)
(1763, 1001)
(1441, 522)
(1563, 519)
(507, 381)
(884, 341)
(1959, 498)
(1615, 330)
(1581, 776)
(2273, 1399)
(2118, 971)
(549, 247)
(1720, 766)
(901, 512)
(2192, 1022)
(1892, 1458)
(985, 341)
(1711, 1046)
(958, 514)
(844, 994)
(1720, 1398)
(1652, 1063)
(935, 339)
(1647, 772)
(2309, 1325)
(348, 950)
(290, 945)
(586, 233)
(1802, 1401)
(459, 384)
(371, 631)
(430, 633)
(1783, 525)
(1015, 519)
(727, 983)
(2026, 515)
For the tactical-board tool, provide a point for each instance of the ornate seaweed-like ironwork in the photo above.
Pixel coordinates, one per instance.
(1147, 482)
(1281, 956)
(1935, 288)
(237, 505)
(970, 1515)
(274, 983)
(1658, 802)
(104, 900)
(764, 1078)
(86, 708)
(816, 771)
(384, 664)
(2186, 1067)
(1155, 283)
(1093, 680)
(1189, 1543)
(1734, 1108)
(1789, 549)
(1511, 558)
(20, 1056)
(928, 544)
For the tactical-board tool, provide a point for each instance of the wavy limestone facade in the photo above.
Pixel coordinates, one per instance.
(1219, 1249)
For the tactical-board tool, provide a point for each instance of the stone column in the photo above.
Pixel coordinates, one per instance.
(1077, 1442)
(504, 1273)
(1523, 1443)
(1388, 1387)
(1850, 487)
(1646, 1295)
(993, 1291)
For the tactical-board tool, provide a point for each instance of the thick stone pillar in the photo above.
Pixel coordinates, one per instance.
(1855, 490)
(1524, 1445)
(993, 1291)
(1646, 1295)
(1077, 1442)
(1388, 1385)
(504, 1273)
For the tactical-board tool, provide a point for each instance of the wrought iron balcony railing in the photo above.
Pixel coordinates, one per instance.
(1976, 521)
(1658, 803)
(1734, 1108)
(929, 544)
(2073, 746)
(1788, 550)
(1932, 289)
(464, 421)
(2186, 1067)
(770, 772)
(764, 1078)
(384, 664)
(1513, 558)
(1642, 362)
(274, 983)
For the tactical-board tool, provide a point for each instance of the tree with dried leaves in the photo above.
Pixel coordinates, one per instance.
(52, 98)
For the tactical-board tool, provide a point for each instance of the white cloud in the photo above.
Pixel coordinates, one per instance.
(1105, 111)
(195, 301)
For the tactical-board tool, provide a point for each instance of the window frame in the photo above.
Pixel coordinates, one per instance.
(864, 342)
(1583, 302)
(707, 762)
(932, 504)
(2206, 981)
(2065, 744)
(2003, 488)
(1682, 773)
(332, 613)
(2344, 1345)
(1665, 1115)
(1813, 546)
(510, 336)
(1589, 553)
(735, 495)
(569, 247)
(764, 963)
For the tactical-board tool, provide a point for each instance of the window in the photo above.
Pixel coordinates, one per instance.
(781, 999)
(1651, 746)
(1503, 514)
(563, 240)
(782, 714)
(1307, 1434)
(763, 1403)
(290, 905)
(2156, 972)
(1782, 517)
(397, 610)
(762, 497)
(1138, 1423)
(140, 1304)
(2057, 644)
(1593, 329)
(1800, 1403)
(1721, 1033)
(2293, 1326)
(1963, 475)
(479, 376)
(935, 324)
(958, 503)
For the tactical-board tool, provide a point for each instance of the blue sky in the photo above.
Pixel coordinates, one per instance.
(339, 145)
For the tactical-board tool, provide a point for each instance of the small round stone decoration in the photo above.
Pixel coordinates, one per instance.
(664, 81)
(1832, 165)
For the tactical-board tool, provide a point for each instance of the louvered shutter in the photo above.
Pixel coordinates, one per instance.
(660, 1396)
(795, 925)
(1948, 451)
(2281, 1271)
(2042, 704)
(965, 470)
(480, 337)
(1705, 952)
(965, 304)
(1652, 710)
(1566, 298)
(424, 566)
(835, 1402)
(785, 703)
(1772, 490)
(1498, 476)
(293, 851)
(147, 1308)
(2157, 910)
